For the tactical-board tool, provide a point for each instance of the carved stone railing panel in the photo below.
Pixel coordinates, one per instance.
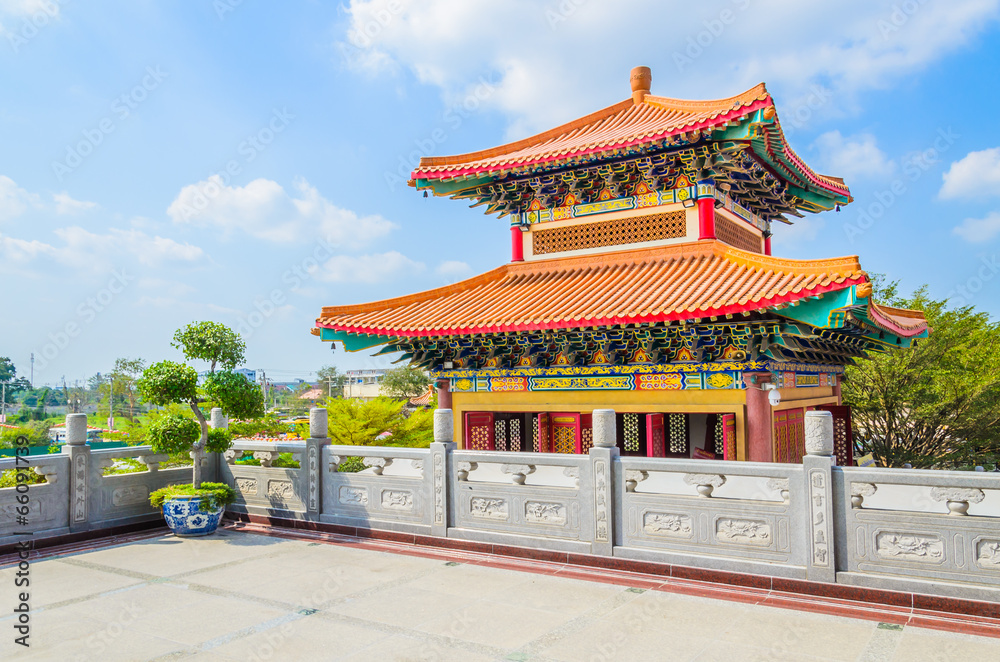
(705, 483)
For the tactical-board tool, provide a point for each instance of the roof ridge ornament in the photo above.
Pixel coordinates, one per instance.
(641, 79)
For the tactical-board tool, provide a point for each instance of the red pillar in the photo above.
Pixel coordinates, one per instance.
(759, 428)
(767, 243)
(706, 209)
(516, 244)
(444, 393)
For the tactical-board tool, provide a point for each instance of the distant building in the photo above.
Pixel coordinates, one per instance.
(364, 384)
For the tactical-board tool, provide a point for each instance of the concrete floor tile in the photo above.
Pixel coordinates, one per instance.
(717, 651)
(786, 632)
(569, 597)
(306, 638)
(55, 581)
(415, 649)
(919, 645)
(495, 624)
(401, 606)
(613, 640)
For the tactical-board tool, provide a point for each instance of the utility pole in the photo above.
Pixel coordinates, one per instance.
(111, 404)
(3, 402)
(32, 380)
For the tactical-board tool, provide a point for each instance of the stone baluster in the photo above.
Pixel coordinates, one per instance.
(705, 483)
(958, 498)
(377, 464)
(858, 493)
(780, 485)
(265, 457)
(633, 477)
(463, 469)
(518, 472)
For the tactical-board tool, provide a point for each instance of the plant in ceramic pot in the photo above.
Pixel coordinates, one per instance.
(196, 509)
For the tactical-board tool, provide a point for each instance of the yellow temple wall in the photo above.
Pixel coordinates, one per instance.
(692, 401)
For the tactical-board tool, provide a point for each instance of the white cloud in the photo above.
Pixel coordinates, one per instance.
(15, 200)
(978, 230)
(67, 205)
(49, 8)
(852, 157)
(83, 249)
(264, 209)
(523, 46)
(976, 174)
(375, 268)
(453, 270)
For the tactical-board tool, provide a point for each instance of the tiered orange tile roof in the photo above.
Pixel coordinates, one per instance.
(683, 281)
(620, 127)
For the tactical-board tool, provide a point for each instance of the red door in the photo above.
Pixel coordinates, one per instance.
(729, 436)
(843, 435)
(789, 435)
(655, 436)
(479, 435)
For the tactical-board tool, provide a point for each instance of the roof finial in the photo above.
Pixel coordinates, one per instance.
(641, 78)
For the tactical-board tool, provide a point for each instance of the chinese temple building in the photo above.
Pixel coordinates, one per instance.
(641, 280)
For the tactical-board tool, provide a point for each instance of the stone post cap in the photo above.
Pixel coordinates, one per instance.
(319, 426)
(819, 432)
(76, 429)
(605, 432)
(444, 426)
(217, 419)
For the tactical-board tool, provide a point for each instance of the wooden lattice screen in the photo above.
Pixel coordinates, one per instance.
(843, 435)
(730, 232)
(614, 232)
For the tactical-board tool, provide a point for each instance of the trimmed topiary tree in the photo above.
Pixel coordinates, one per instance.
(169, 382)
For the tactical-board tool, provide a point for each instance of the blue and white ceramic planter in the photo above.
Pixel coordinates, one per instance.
(185, 518)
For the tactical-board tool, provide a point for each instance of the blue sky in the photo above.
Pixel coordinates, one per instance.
(162, 163)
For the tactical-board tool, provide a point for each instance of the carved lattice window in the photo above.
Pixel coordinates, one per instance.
(586, 440)
(732, 233)
(564, 439)
(678, 433)
(720, 437)
(500, 436)
(631, 432)
(534, 437)
(615, 232)
(515, 434)
(480, 438)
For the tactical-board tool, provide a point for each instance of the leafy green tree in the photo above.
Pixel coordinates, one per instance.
(168, 382)
(405, 382)
(15, 384)
(935, 405)
(355, 422)
(121, 384)
(332, 380)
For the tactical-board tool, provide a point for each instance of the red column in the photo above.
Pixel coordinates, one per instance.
(767, 243)
(759, 428)
(706, 209)
(516, 244)
(444, 393)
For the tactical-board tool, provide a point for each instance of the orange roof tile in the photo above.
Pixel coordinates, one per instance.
(683, 281)
(616, 127)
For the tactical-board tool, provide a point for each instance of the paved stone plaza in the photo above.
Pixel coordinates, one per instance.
(243, 596)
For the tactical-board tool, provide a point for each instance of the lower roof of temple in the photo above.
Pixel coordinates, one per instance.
(685, 282)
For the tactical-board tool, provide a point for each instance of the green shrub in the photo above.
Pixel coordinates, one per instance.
(283, 461)
(127, 465)
(351, 465)
(270, 426)
(214, 495)
(9, 478)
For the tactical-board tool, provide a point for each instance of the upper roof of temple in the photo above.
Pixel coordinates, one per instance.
(737, 142)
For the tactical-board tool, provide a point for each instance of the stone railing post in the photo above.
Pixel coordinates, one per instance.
(210, 461)
(817, 469)
(603, 455)
(441, 448)
(319, 436)
(78, 451)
